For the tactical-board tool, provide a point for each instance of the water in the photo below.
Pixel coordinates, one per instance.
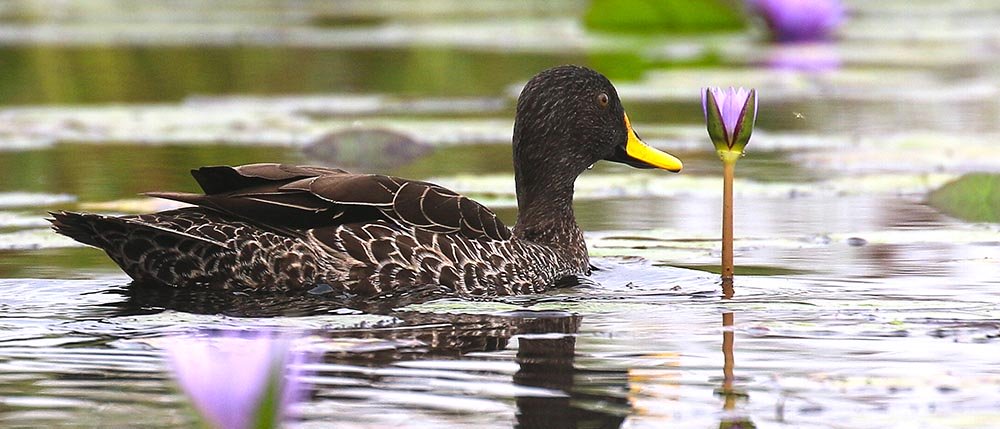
(855, 304)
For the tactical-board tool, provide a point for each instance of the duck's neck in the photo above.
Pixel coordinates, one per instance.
(545, 211)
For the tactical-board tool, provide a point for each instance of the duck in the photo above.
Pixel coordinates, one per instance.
(271, 227)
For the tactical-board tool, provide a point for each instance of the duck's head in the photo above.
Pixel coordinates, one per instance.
(570, 117)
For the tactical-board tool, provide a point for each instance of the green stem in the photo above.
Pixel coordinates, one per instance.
(727, 218)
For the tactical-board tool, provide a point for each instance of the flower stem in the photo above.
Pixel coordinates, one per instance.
(727, 218)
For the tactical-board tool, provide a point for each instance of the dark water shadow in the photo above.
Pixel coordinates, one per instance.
(547, 362)
(546, 354)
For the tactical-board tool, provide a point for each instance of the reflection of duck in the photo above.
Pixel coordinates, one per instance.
(280, 227)
(590, 398)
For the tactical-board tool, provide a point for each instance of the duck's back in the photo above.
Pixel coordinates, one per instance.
(280, 227)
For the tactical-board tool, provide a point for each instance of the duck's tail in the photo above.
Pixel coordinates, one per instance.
(143, 249)
(195, 247)
(89, 229)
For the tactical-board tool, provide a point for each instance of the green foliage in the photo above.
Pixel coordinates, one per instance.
(66, 263)
(111, 171)
(54, 74)
(973, 197)
(664, 16)
(618, 65)
(268, 412)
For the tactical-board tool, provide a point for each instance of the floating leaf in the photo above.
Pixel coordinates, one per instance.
(747, 270)
(675, 16)
(973, 197)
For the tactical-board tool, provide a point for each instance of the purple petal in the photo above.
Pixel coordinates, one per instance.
(226, 376)
(800, 20)
(732, 107)
(731, 103)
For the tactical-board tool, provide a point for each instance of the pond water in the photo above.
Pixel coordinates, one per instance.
(856, 304)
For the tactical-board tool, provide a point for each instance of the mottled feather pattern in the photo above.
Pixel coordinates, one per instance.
(194, 247)
(283, 228)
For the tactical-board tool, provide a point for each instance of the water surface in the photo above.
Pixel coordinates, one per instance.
(856, 304)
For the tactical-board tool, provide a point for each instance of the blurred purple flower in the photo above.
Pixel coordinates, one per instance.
(799, 20)
(804, 57)
(232, 380)
(730, 115)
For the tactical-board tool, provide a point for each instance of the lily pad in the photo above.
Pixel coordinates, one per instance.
(747, 270)
(973, 197)
(675, 16)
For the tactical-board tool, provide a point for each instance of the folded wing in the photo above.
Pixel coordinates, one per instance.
(296, 198)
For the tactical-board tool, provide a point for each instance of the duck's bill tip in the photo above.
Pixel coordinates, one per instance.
(640, 155)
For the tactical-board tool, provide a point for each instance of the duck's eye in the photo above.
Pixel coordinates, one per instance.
(602, 100)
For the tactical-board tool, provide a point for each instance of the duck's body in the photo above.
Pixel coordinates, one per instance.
(282, 227)
(277, 227)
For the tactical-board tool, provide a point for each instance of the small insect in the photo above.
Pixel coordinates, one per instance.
(798, 115)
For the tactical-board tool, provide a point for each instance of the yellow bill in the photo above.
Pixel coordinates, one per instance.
(640, 151)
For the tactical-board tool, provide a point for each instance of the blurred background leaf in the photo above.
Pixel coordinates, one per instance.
(664, 16)
(973, 197)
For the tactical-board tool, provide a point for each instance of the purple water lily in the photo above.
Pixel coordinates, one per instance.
(799, 20)
(238, 382)
(730, 115)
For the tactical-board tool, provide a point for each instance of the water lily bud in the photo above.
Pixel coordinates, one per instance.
(237, 382)
(730, 115)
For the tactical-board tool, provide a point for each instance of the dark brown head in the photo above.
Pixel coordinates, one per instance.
(568, 118)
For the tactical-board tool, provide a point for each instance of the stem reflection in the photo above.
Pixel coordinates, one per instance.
(733, 395)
